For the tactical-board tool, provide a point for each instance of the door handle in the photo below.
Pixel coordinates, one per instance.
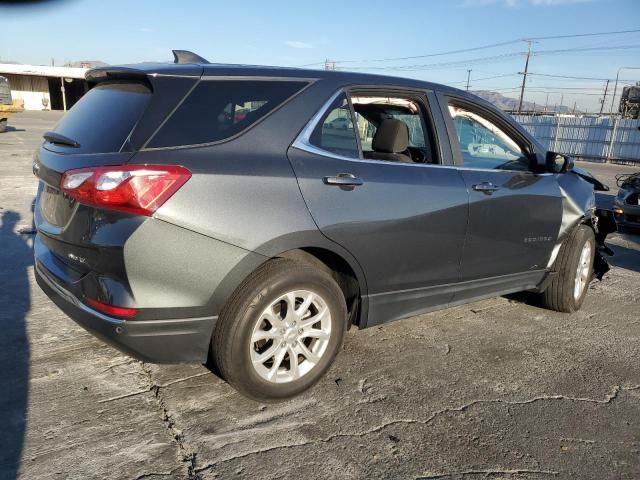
(485, 187)
(343, 180)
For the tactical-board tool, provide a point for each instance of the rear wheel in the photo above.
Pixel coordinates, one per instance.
(3, 125)
(280, 331)
(574, 267)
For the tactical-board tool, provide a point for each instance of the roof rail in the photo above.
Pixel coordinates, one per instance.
(185, 56)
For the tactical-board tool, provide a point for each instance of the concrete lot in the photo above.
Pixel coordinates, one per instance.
(498, 389)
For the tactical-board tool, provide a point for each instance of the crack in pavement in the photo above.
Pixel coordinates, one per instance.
(155, 474)
(486, 473)
(152, 387)
(185, 453)
(607, 400)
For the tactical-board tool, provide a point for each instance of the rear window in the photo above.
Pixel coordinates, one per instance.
(103, 118)
(219, 109)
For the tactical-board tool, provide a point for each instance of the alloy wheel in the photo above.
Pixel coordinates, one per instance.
(582, 272)
(290, 336)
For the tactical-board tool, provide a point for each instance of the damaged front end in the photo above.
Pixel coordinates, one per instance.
(603, 223)
(579, 207)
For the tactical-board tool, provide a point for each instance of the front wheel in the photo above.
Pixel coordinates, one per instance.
(3, 125)
(280, 331)
(574, 271)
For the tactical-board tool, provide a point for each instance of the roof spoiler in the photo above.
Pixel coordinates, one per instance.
(185, 56)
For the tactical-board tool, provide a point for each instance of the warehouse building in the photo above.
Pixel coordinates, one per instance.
(43, 87)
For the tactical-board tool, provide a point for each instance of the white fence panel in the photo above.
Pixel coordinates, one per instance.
(595, 138)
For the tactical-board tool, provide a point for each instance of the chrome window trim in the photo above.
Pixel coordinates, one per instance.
(303, 142)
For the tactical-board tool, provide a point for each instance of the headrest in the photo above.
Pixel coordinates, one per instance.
(392, 136)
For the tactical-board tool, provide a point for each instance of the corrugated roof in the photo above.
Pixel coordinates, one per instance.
(42, 70)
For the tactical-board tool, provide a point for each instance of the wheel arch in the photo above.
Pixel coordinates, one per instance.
(341, 271)
(311, 248)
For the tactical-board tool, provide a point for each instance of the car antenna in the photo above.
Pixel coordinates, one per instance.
(185, 56)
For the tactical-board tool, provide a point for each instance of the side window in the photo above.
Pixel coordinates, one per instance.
(484, 145)
(335, 132)
(393, 128)
(219, 109)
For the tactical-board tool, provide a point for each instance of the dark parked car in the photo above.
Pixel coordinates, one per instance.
(627, 203)
(176, 230)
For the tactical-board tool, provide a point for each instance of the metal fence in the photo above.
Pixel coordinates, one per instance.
(590, 138)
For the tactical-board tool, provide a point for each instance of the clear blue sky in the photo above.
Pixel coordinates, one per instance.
(294, 33)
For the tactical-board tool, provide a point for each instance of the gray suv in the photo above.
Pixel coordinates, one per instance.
(248, 216)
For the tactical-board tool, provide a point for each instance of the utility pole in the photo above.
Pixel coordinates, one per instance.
(604, 97)
(524, 77)
(329, 64)
(574, 107)
(546, 102)
(468, 77)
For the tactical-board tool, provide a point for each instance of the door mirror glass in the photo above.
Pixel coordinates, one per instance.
(557, 163)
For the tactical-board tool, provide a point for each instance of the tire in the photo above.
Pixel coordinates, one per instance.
(562, 295)
(260, 307)
(3, 125)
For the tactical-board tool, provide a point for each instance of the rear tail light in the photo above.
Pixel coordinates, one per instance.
(139, 189)
(113, 310)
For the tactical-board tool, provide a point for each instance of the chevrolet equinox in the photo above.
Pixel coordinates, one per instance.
(249, 216)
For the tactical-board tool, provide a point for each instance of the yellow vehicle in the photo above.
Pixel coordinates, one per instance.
(8, 107)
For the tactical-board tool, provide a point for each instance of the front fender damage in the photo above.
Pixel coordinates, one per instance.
(578, 208)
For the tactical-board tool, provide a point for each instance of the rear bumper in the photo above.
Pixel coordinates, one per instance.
(158, 341)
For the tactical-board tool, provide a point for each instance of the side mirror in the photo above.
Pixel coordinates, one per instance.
(557, 163)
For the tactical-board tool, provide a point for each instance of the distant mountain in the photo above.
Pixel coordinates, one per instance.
(86, 64)
(507, 103)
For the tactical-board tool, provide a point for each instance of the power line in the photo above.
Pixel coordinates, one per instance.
(485, 78)
(489, 46)
(588, 49)
(572, 78)
(577, 35)
(472, 61)
(438, 54)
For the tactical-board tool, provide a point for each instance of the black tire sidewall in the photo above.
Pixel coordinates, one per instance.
(583, 235)
(243, 375)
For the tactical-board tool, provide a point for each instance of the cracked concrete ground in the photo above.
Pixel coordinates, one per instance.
(496, 389)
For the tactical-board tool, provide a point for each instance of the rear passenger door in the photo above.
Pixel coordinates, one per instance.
(403, 222)
(514, 213)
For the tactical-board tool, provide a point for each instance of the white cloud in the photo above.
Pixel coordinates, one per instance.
(298, 44)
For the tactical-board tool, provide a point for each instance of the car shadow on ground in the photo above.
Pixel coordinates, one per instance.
(624, 258)
(13, 129)
(16, 258)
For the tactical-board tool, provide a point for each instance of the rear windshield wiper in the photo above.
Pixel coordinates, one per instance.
(58, 139)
